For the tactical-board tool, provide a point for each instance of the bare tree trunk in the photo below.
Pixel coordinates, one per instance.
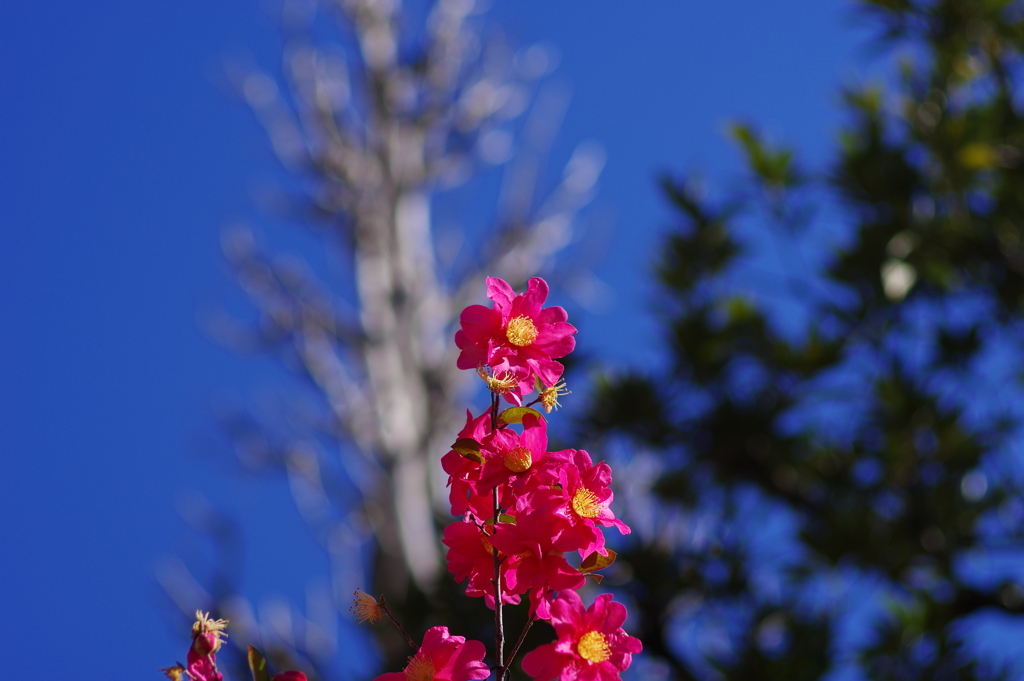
(372, 133)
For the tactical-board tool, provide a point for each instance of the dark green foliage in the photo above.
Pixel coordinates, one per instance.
(856, 427)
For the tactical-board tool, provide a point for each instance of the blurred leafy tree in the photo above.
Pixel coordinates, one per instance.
(830, 438)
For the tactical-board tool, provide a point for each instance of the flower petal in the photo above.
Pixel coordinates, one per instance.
(529, 303)
(544, 664)
(501, 293)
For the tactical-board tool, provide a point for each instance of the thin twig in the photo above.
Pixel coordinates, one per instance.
(499, 625)
(515, 650)
(397, 624)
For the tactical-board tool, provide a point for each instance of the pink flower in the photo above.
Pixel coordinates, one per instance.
(537, 562)
(517, 337)
(464, 472)
(591, 644)
(443, 657)
(288, 676)
(587, 499)
(519, 460)
(471, 556)
(206, 641)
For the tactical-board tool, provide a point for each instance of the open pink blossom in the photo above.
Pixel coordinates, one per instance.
(517, 460)
(591, 644)
(443, 657)
(471, 556)
(517, 337)
(587, 500)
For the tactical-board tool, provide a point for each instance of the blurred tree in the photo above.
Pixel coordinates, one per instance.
(378, 109)
(831, 446)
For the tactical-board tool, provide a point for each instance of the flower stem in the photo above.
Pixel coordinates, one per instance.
(499, 624)
(515, 650)
(397, 623)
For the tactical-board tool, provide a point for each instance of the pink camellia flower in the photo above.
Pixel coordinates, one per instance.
(591, 644)
(463, 472)
(537, 562)
(517, 338)
(471, 556)
(587, 497)
(288, 676)
(443, 657)
(519, 460)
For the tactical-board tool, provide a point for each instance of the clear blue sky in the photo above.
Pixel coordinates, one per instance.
(120, 161)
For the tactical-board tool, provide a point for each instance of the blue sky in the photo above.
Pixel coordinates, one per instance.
(121, 160)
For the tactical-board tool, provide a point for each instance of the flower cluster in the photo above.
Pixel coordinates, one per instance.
(550, 503)
(522, 507)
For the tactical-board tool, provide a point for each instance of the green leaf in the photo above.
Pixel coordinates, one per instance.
(774, 166)
(502, 518)
(516, 414)
(258, 665)
(595, 561)
(469, 448)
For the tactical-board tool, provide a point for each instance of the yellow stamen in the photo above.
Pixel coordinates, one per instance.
(175, 673)
(205, 625)
(366, 608)
(593, 647)
(502, 385)
(518, 460)
(549, 396)
(420, 668)
(585, 503)
(521, 331)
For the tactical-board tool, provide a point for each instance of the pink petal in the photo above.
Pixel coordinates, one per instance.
(501, 293)
(535, 436)
(620, 661)
(567, 613)
(439, 645)
(622, 527)
(548, 370)
(598, 476)
(558, 348)
(530, 302)
(614, 613)
(552, 315)
(582, 537)
(632, 644)
(553, 333)
(472, 355)
(562, 576)
(466, 663)
(480, 323)
(289, 676)
(544, 664)
(514, 398)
